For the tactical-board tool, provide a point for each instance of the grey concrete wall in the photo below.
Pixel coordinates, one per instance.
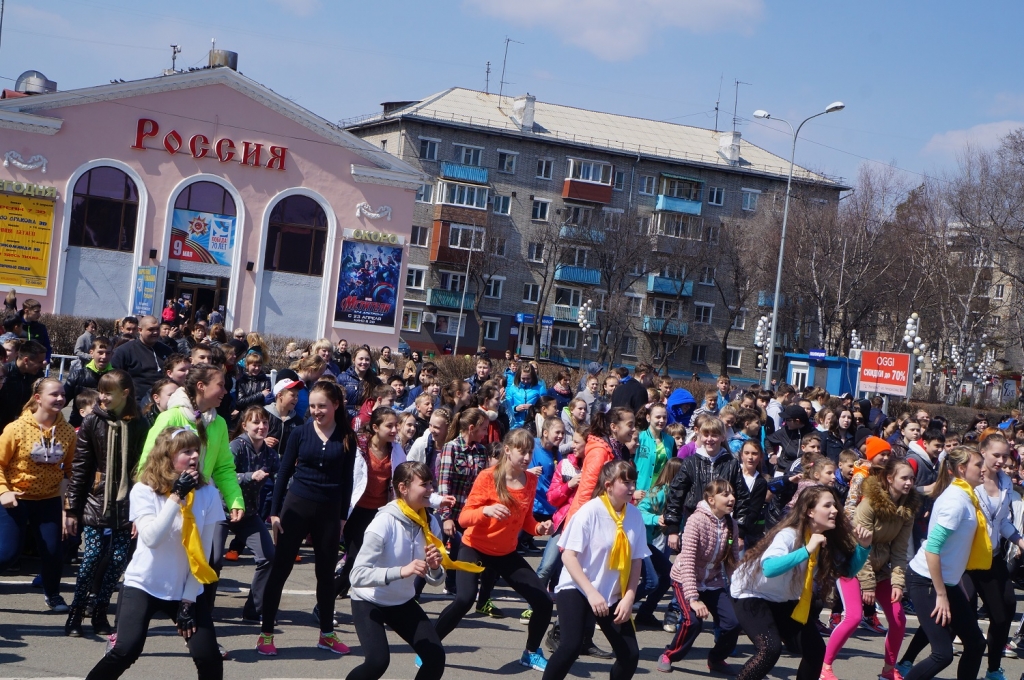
(97, 283)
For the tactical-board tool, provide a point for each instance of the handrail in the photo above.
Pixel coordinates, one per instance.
(63, 358)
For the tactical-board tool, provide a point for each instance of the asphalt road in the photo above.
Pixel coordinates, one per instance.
(32, 644)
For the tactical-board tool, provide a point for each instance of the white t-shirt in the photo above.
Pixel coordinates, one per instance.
(591, 533)
(162, 569)
(954, 511)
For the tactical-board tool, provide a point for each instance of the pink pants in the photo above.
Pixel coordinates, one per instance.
(849, 591)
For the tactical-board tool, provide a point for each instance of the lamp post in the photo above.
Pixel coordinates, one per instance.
(761, 113)
(583, 318)
(760, 341)
(912, 339)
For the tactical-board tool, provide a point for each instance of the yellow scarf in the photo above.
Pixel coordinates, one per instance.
(981, 548)
(201, 569)
(803, 607)
(620, 557)
(421, 520)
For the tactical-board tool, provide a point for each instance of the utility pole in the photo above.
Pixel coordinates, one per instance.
(502, 83)
(735, 104)
(487, 79)
(175, 51)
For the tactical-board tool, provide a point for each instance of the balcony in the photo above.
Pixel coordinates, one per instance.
(587, 191)
(463, 173)
(766, 298)
(667, 326)
(449, 299)
(581, 275)
(571, 314)
(571, 232)
(666, 286)
(666, 203)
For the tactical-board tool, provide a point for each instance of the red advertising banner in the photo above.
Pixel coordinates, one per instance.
(885, 373)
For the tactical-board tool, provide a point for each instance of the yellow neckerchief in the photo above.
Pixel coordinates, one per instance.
(803, 607)
(201, 569)
(981, 547)
(421, 520)
(620, 556)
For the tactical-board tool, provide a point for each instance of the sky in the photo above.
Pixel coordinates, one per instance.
(919, 80)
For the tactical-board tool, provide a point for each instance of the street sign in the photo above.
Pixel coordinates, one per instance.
(525, 318)
(547, 321)
(816, 354)
(885, 373)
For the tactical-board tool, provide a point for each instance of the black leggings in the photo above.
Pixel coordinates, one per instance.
(663, 570)
(995, 590)
(299, 518)
(410, 623)
(517, 574)
(770, 625)
(355, 527)
(135, 609)
(576, 620)
(963, 622)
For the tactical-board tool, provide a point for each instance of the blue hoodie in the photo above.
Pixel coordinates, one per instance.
(547, 460)
(680, 407)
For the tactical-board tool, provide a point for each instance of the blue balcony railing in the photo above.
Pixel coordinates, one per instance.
(667, 326)
(571, 314)
(668, 203)
(574, 233)
(464, 173)
(449, 299)
(666, 286)
(582, 275)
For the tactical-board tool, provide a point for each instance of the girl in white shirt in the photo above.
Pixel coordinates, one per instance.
(604, 544)
(175, 512)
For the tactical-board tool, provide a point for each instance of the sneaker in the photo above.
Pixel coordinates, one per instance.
(904, 667)
(908, 606)
(231, 555)
(111, 641)
(488, 609)
(596, 652)
(56, 604)
(873, 624)
(316, 615)
(552, 638)
(823, 629)
(664, 664)
(223, 651)
(827, 674)
(995, 675)
(1011, 651)
(834, 619)
(671, 623)
(37, 582)
(525, 617)
(534, 660)
(670, 627)
(264, 645)
(298, 558)
(331, 643)
(721, 667)
(418, 661)
(893, 674)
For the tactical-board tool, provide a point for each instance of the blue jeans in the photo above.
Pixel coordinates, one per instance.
(551, 561)
(45, 517)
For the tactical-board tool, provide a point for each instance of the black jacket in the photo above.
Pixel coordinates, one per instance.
(753, 526)
(249, 390)
(80, 378)
(317, 471)
(281, 428)
(89, 470)
(144, 364)
(687, 488)
(15, 393)
(248, 461)
(835, 444)
(632, 394)
(788, 443)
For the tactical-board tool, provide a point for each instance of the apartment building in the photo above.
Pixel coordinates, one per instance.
(508, 173)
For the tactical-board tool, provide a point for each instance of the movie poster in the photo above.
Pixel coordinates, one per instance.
(368, 284)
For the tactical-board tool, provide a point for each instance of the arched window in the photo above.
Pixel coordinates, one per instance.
(104, 211)
(206, 197)
(297, 237)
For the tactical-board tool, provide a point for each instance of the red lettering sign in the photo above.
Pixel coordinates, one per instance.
(885, 373)
(200, 146)
(146, 128)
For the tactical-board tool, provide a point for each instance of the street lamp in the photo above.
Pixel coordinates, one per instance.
(764, 115)
(583, 318)
(760, 341)
(912, 339)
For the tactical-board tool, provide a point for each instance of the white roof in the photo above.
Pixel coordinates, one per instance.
(605, 131)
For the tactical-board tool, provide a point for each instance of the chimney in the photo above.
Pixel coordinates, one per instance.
(34, 82)
(729, 146)
(224, 58)
(523, 109)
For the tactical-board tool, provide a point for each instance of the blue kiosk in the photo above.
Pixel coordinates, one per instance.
(835, 375)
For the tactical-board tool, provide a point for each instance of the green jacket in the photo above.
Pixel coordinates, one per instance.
(218, 463)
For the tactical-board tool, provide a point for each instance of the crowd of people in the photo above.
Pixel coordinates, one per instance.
(755, 508)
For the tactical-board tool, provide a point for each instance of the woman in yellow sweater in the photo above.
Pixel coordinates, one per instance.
(36, 452)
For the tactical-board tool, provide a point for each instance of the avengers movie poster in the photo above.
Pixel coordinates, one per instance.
(368, 284)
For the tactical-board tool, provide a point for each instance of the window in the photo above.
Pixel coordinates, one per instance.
(467, 195)
(711, 232)
(682, 188)
(462, 237)
(414, 277)
(453, 281)
(676, 272)
(502, 205)
(568, 296)
(383, 145)
(468, 155)
(574, 257)
(740, 322)
(492, 327)
(535, 252)
(680, 226)
(450, 324)
(716, 196)
(425, 194)
(589, 171)
(628, 346)
(564, 338)
(620, 180)
(707, 276)
(411, 320)
(492, 289)
(544, 168)
(419, 237)
(612, 218)
(750, 199)
(702, 312)
(297, 237)
(594, 341)
(643, 224)
(733, 357)
(699, 354)
(578, 214)
(531, 293)
(664, 309)
(540, 210)
(647, 185)
(634, 306)
(507, 161)
(1000, 291)
(602, 300)
(105, 209)
(994, 321)
(428, 149)
(497, 247)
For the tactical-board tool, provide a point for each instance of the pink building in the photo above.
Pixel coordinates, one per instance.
(206, 186)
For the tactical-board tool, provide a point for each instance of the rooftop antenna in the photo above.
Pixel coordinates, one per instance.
(721, 78)
(213, 44)
(502, 83)
(175, 51)
(487, 78)
(736, 103)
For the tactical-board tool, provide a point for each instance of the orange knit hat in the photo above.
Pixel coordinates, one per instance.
(875, 445)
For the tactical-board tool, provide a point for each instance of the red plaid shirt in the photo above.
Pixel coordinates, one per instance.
(458, 465)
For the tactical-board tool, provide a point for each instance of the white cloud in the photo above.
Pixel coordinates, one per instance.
(983, 136)
(619, 29)
(303, 8)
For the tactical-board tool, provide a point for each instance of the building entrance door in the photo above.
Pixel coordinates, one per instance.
(205, 292)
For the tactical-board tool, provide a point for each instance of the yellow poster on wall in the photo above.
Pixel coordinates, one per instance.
(26, 229)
